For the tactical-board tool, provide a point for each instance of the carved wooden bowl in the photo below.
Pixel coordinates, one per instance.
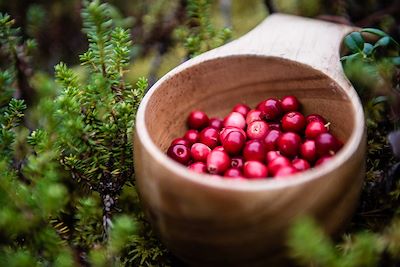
(211, 221)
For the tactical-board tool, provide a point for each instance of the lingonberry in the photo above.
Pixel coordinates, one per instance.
(315, 128)
(235, 119)
(308, 151)
(315, 117)
(233, 142)
(255, 170)
(197, 120)
(286, 171)
(323, 160)
(301, 164)
(277, 163)
(192, 136)
(179, 153)
(271, 140)
(254, 150)
(227, 130)
(271, 155)
(257, 130)
(271, 108)
(181, 141)
(293, 122)
(326, 144)
(216, 123)
(199, 167)
(217, 162)
(233, 173)
(242, 109)
(289, 144)
(199, 152)
(210, 137)
(253, 115)
(237, 162)
(290, 103)
(277, 133)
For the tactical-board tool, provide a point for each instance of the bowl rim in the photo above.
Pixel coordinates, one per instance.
(214, 181)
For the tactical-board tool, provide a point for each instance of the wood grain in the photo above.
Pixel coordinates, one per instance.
(210, 221)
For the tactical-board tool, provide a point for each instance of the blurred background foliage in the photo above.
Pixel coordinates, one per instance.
(56, 24)
(164, 34)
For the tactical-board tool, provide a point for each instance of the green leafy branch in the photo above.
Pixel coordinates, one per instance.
(311, 247)
(95, 118)
(200, 34)
(361, 49)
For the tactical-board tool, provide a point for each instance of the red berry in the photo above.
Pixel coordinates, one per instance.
(181, 141)
(254, 150)
(286, 171)
(217, 162)
(210, 137)
(242, 109)
(233, 173)
(290, 103)
(308, 151)
(277, 163)
(323, 160)
(255, 170)
(315, 117)
(179, 153)
(271, 140)
(326, 144)
(192, 136)
(314, 129)
(271, 108)
(233, 142)
(289, 144)
(254, 115)
(219, 148)
(271, 155)
(293, 122)
(200, 152)
(301, 164)
(237, 162)
(216, 123)
(197, 120)
(235, 119)
(199, 167)
(257, 130)
(227, 130)
(274, 126)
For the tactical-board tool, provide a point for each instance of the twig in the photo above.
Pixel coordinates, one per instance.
(155, 65)
(270, 6)
(225, 8)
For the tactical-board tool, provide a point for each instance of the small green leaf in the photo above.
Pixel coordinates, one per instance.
(375, 32)
(368, 49)
(351, 57)
(396, 61)
(379, 99)
(354, 41)
(384, 41)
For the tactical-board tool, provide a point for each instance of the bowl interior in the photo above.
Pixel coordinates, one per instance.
(215, 86)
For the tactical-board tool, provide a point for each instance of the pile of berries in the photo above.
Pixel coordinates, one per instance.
(273, 140)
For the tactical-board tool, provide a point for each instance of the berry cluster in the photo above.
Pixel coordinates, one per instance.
(273, 140)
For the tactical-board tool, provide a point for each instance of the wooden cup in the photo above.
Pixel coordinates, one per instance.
(211, 221)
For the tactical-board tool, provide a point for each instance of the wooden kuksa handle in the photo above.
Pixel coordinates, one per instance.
(312, 42)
